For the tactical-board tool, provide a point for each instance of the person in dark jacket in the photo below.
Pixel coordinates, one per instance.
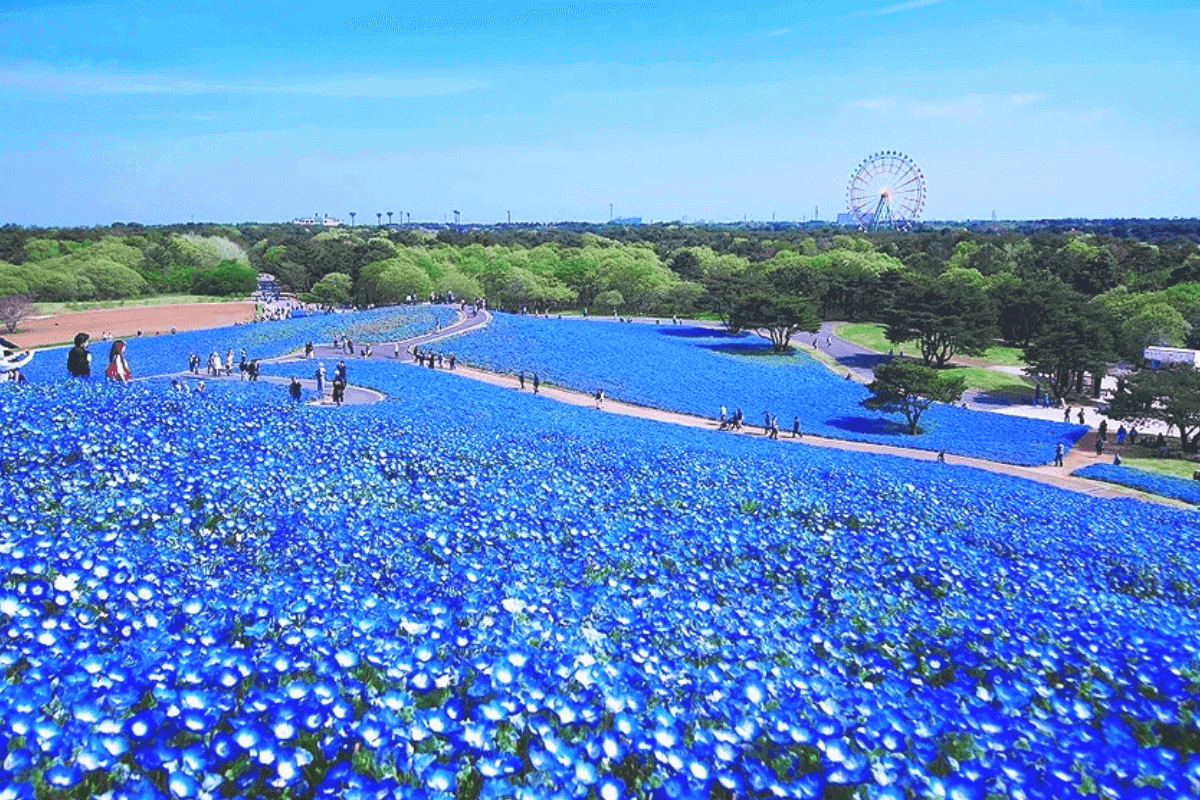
(79, 360)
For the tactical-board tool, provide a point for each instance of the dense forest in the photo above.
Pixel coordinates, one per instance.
(1105, 289)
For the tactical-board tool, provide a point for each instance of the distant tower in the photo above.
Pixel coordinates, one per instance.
(389, 219)
(352, 215)
(379, 217)
(816, 213)
(409, 215)
(456, 217)
(510, 217)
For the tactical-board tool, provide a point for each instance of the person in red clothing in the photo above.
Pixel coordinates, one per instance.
(118, 367)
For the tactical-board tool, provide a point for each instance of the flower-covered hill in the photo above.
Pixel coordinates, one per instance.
(697, 370)
(470, 592)
(155, 355)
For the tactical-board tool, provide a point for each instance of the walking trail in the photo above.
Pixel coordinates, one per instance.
(860, 362)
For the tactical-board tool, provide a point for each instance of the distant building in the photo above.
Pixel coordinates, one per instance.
(325, 222)
(625, 221)
(267, 287)
(1161, 356)
(846, 221)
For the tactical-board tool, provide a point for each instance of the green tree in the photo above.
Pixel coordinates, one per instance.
(778, 316)
(725, 289)
(611, 299)
(1076, 340)
(1024, 306)
(946, 315)
(333, 289)
(227, 278)
(908, 388)
(111, 280)
(1170, 395)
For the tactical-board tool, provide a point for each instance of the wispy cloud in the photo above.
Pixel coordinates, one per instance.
(966, 107)
(910, 5)
(780, 32)
(96, 82)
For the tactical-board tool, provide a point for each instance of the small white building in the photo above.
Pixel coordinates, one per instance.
(1162, 356)
(326, 221)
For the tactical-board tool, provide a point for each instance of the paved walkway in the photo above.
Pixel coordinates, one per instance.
(856, 359)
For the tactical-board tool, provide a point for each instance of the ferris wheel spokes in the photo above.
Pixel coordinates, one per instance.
(886, 191)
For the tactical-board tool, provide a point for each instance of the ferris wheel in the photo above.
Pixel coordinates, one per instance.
(887, 191)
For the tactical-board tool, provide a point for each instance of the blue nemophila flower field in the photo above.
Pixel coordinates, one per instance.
(696, 370)
(1155, 483)
(472, 592)
(155, 355)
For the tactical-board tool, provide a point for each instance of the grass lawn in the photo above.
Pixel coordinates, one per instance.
(1143, 458)
(990, 380)
(870, 335)
(160, 300)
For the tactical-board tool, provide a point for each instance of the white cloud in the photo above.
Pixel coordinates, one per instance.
(96, 82)
(908, 6)
(780, 32)
(969, 106)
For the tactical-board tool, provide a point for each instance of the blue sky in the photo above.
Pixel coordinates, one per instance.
(221, 111)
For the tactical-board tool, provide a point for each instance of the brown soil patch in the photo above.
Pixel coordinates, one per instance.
(126, 322)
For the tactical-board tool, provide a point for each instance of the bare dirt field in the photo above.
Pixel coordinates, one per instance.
(126, 322)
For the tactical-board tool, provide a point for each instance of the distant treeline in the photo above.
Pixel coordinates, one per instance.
(1148, 284)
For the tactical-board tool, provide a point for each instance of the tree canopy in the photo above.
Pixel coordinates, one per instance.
(1170, 395)
(945, 315)
(778, 316)
(906, 387)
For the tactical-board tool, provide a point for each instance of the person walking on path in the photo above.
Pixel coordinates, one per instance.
(536, 383)
(774, 426)
(521, 379)
(294, 389)
(796, 427)
(320, 376)
(1121, 433)
(118, 367)
(79, 360)
(339, 391)
(600, 398)
(766, 423)
(721, 419)
(308, 349)
(1099, 446)
(396, 350)
(1081, 422)
(339, 374)
(1067, 415)
(1103, 429)
(1058, 454)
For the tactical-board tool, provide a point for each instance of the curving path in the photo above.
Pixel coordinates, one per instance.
(1078, 456)
(849, 355)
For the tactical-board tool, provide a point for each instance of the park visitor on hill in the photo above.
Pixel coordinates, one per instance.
(79, 360)
(118, 367)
